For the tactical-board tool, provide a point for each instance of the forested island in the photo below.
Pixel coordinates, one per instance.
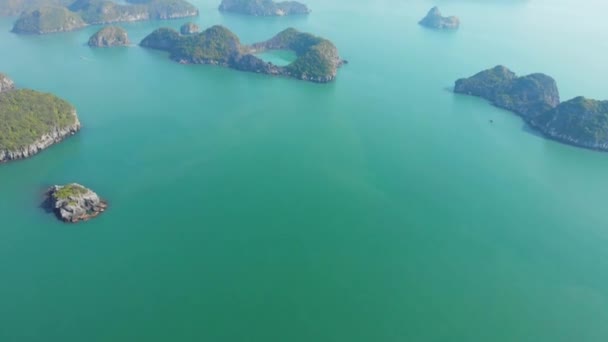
(51, 17)
(264, 8)
(31, 121)
(317, 58)
(581, 122)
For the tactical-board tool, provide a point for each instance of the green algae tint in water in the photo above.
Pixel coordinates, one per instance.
(278, 57)
(380, 207)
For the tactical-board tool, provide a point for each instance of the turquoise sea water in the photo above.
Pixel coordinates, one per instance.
(381, 207)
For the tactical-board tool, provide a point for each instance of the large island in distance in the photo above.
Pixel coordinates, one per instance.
(581, 122)
(31, 121)
(80, 13)
(317, 58)
(264, 8)
(16, 7)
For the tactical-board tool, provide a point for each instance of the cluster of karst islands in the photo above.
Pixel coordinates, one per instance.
(32, 121)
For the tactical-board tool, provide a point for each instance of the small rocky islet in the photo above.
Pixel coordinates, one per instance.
(110, 36)
(189, 28)
(74, 203)
(32, 121)
(580, 122)
(58, 16)
(317, 58)
(435, 20)
(264, 8)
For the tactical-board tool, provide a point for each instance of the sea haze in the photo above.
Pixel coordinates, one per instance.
(380, 207)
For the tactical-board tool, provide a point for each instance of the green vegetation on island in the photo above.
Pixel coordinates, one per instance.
(51, 19)
(48, 20)
(435, 20)
(581, 122)
(16, 7)
(318, 59)
(68, 191)
(528, 95)
(109, 36)
(31, 121)
(264, 7)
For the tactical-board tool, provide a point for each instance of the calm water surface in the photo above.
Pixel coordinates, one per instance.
(381, 207)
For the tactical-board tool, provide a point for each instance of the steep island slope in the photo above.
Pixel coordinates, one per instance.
(581, 122)
(317, 58)
(31, 121)
(435, 20)
(80, 13)
(264, 8)
(109, 36)
(16, 7)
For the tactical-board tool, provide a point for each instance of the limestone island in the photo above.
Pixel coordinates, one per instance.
(189, 28)
(80, 13)
(16, 7)
(31, 121)
(317, 58)
(580, 122)
(435, 20)
(109, 36)
(73, 203)
(264, 8)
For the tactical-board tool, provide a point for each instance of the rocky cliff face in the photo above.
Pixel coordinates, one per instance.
(46, 140)
(109, 36)
(31, 121)
(74, 203)
(528, 96)
(189, 28)
(435, 20)
(264, 7)
(6, 83)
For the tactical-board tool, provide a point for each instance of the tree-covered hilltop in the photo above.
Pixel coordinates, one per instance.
(580, 121)
(435, 20)
(48, 20)
(109, 36)
(79, 13)
(31, 121)
(216, 45)
(528, 95)
(264, 7)
(318, 59)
